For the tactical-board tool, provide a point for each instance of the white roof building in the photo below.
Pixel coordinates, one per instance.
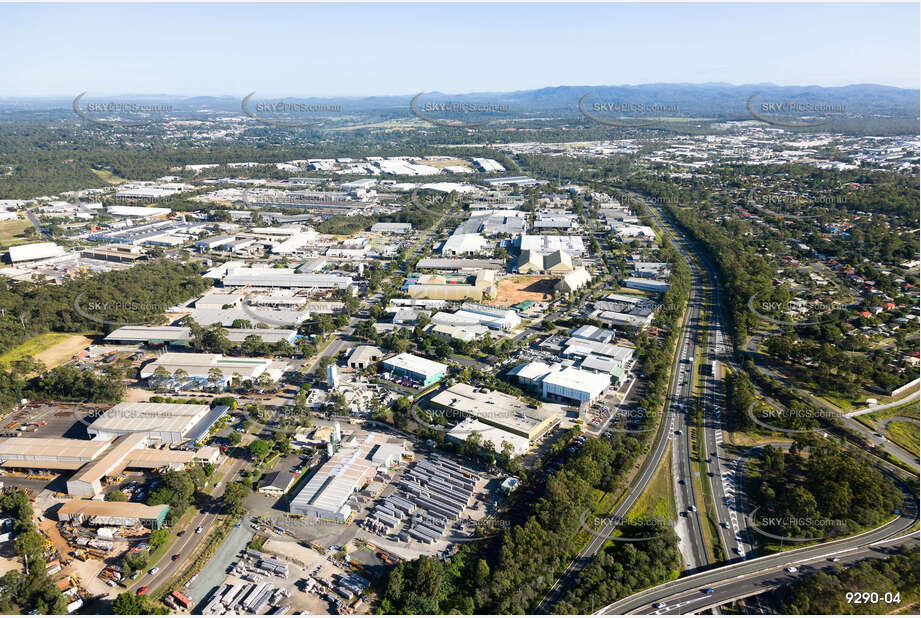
(35, 251)
(575, 384)
(573, 245)
(462, 244)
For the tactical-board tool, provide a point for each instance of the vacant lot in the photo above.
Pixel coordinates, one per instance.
(12, 233)
(53, 349)
(514, 290)
(905, 434)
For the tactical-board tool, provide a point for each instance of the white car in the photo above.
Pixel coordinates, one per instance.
(154, 570)
(790, 569)
(198, 530)
(658, 605)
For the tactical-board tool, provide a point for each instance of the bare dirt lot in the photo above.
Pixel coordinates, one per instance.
(513, 290)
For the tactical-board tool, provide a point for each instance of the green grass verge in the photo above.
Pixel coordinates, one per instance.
(905, 434)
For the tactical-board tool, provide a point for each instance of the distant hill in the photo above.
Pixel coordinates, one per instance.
(708, 100)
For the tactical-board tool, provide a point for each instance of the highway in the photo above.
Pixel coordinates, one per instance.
(720, 476)
(666, 431)
(741, 579)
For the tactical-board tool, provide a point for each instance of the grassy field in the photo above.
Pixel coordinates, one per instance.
(53, 349)
(109, 177)
(12, 233)
(905, 434)
(658, 501)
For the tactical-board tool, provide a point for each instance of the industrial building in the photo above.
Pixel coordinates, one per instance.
(574, 385)
(35, 251)
(392, 228)
(364, 356)
(557, 262)
(573, 281)
(463, 244)
(199, 367)
(240, 276)
(459, 264)
(543, 244)
(496, 409)
(49, 453)
(182, 336)
(488, 433)
(349, 469)
(480, 286)
(103, 513)
(168, 423)
(646, 285)
(415, 367)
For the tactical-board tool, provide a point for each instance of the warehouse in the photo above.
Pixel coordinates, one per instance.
(573, 281)
(646, 285)
(458, 264)
(35, 251)
(284, 278)
(161, 422)
(463, 244)
(349, 469)
(49, 453)
(214, 242)
(496, 409)
(199, 367)
(88, 479)
(364, 356)
(392, 228)
(487, 433)
(103, 513)
(415, 367)
(491, 317)
(480, 286)
(180, 335)
(544, 244)
(575, 385)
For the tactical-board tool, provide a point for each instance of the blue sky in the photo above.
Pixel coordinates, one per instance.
(366, 49)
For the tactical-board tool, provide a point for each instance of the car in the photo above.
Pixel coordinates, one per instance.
(142, 589)
(658, 605)
(681, 481)
(677, 432)
(708, 590)
(198, 530)
(835, 559)
(175, 556)
(737, 550)
(724, 524)
(180, 533)
(110, 583)
(154, 570)
(135, 575)
(692, 508)
(790, 569)
(218, 484)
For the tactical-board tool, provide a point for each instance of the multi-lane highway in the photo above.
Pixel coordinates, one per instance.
(720, 476)
(675, 417)
(740, 579)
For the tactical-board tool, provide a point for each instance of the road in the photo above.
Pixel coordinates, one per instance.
(648, 468)
(853, 426)
(720, 476)
(741, 580)
(186, 545)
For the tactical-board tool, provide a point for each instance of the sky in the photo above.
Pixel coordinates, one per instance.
(399, 49)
